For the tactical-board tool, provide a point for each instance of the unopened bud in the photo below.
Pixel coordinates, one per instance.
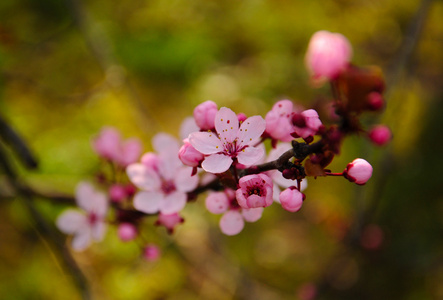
(380, 135)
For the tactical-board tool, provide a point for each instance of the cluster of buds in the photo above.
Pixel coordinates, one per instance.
(223, 154)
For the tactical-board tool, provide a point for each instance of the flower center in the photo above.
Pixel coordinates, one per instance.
(255, 190)
(92, 218)
(168, 186)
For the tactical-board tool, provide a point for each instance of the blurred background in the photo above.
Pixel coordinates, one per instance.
(67, 68)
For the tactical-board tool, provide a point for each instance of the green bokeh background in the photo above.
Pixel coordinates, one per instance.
(67, 68)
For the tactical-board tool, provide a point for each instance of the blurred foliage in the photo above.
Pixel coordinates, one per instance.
(70, 67)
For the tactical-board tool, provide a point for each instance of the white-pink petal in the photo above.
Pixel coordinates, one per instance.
(251, 130)
(98, 231)
(183, 180)
(70, 221)
(165, 144)
(187, 127)
(84, 193)
(226, 125)
(252, 214)
(173, 203)
(232, 223)
(206, 142)
(81, 240)
(148, 202)
(217, 163)
(217, 202)
(143, 177)
(250, 155)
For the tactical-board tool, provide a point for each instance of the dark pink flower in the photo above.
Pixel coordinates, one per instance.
(127, 232)
(255, 191)
(380, 135)
(151, 252)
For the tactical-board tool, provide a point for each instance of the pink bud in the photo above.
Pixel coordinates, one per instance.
(291, 199)
(358, 171)
(328, 54)
(189, 155)
(117, 193)
(151, 252)
(204, 115)
(380, 135)
(311, 123)
(127, 232)
(150, 160)
(278, 121)
(375, 101)
(217, 202)
(241, 117)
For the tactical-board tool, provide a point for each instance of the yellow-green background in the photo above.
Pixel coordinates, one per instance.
(69, 67)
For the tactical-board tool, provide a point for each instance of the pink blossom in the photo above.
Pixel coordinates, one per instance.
(380, 135)
(89, 223)
(204, 115)
(109, 145)
(127, 232)
(308, 124)
(291, 199)
(328, 54)
(169, 221)
(189, 155)
(255, 191)
(229, 141)
(151, 252)
(375, 101)
(233, 219)
(163, 180)
(358, 171)
(278, 121)
(187, 127)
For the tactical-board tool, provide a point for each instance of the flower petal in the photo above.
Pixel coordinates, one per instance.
(184, 181)
(70, 221)
(148, 202)
(231, 223)
(250, 155)
(143, 177)
(165, 144)
(173, 203)
(98, 231)
(226, 125)
(252, 214)
(81, 240)
(84, 192)
(217, 163)
(205, 142)
(250, 130)
(187, 127)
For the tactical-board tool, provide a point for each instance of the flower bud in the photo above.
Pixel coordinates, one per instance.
(189, 155)
(375, 101)
(328, 54)
(358, 171)
(127, 232)
(217, 202)
(117, 193)
(291, 199)
(151, 252)
(204, 115)
(380, 135)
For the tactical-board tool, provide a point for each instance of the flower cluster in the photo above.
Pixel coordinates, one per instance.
(223, 154)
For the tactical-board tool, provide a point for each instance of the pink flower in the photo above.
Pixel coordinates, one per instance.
(279, 121)
(109, 145)
(163, 179)
(233, 219)
(255, 191)
(380, 135)
(291, 199)
(229, 142)
(189, 155)
(127, 232)
(358, 171)
(169, 221)
(204, 115)
(307, 123)
(88, 224)
(151, 252)
(328, 54)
